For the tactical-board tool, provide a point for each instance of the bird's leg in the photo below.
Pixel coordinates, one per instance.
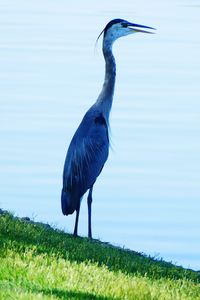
(89, 201)
(76, 222)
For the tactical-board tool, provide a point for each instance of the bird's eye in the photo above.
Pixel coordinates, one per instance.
(124, 25)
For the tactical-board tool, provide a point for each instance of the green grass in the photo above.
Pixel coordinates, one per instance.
(43, 263)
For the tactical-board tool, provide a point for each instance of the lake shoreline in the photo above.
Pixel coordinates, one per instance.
(47, 227)
(41, 262)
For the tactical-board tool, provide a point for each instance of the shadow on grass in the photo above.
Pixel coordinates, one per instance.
(64, 294)
(24, 288)
(24, 235)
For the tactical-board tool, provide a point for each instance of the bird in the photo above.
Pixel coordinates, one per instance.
(89, 147)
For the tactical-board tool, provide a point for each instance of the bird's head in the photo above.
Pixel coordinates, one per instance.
(118, 27)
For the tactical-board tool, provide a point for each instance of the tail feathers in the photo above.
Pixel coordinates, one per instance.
(67, 204)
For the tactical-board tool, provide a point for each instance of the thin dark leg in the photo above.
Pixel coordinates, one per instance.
(76, 222)
(89, 201)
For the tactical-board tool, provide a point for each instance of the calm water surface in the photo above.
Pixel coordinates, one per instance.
(147, 197)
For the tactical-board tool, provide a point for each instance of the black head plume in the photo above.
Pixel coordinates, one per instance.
(112, 22)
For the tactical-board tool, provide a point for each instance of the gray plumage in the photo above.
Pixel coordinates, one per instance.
(89, 148)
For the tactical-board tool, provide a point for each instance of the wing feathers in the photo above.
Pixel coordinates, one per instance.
(85, 159)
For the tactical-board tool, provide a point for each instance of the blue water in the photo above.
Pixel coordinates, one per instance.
(147, 197)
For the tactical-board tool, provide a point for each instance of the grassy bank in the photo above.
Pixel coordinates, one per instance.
(38, 262)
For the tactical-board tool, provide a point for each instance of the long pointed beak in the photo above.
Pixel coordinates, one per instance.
(137, 28)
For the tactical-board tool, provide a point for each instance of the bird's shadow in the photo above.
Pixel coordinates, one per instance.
(69, 294)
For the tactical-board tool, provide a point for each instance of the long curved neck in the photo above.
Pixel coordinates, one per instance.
(106, 96)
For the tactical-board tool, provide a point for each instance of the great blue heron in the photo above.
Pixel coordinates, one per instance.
(88, 150)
